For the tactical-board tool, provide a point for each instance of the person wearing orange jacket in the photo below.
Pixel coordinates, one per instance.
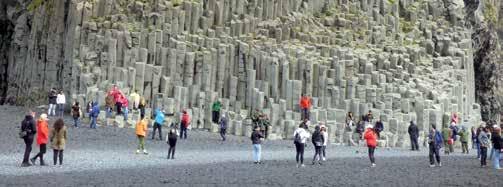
(371, 137)
(42, 138)
(185, 122)
(141, 133)
(305, 105)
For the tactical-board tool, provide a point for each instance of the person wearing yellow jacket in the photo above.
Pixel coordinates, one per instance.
(141, 133)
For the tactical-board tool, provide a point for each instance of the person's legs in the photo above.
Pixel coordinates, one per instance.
(154, 129)
(483, 156)
(255, 153)
(55, 156)
(451, 147)
(477, 145)
(446, 148)
(140, 143)
(323, 152)
(301, 150)
(160, 132)
(491, 154)
(432, 152)
(27, 150)
(496, 159)
(173, 152)
(43, 149)
(60, 157)
(412, 145)
(371, 155)
(437, 155)
(297, 152)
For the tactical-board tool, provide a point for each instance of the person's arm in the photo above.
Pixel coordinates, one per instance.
(51, 136)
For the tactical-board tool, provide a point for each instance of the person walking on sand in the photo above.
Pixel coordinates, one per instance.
(435, 142)
(58, 141)
(61, 101)
(447, 136)
(27, 133)
(158, 123)
(463, 137)
(95, 111)
(324, 133)
(42, 138)
(496, 140)
(300, 138)
(483, 139)
(414, 135)
(305, 106)
(474, 134)
(185, 122)
(141, 133)
(371, 137)
(76, 114)
(171, 140)
(223, 126)
(317, 140)
(142, 106)
(53, 95)
(217, 105)
(256, 138)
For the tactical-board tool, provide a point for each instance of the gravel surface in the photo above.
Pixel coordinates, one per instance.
(105, 157)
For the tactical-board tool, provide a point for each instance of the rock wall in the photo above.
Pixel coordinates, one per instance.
(403, 59)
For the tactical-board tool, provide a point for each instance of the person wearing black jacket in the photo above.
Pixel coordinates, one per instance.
(256, 138)
(53, 95)
(414, 134)
(496, 140)
(379, 127)
(28, 131)
(317, 140)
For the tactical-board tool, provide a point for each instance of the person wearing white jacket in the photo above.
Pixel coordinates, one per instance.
(324, 133)
(300, 138)
(60, 101)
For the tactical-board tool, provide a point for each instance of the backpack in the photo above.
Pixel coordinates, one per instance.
(297, 138)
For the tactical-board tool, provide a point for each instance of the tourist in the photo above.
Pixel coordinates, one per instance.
(463, 137)
(42, 138)
(95, 111)
(264, 124)
(61, 101)
(496, 140)
(474, 134)
(317, 140)
(306, 124)
(454, 133)
(360, 128)
(414, 135)
(185, 122)
(255, 117)
(76, 114)
(52, 102)
(378, 127)
(349, 122)
(305, 105)
(58, 140)
(447, 136)
(300, 138)
(369, 118)
(27, 133)
(125, 106)
(158, 123)
(371, 137)
(216, 111)
(109, 105)
(141, 133)
(256, 138)
(142, 106)
(435, 141)
(324, 133)
(171, 140)
(223, 126)
(483, 140)
(136, 99)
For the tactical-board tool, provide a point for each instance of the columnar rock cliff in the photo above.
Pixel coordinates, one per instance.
(402, 59)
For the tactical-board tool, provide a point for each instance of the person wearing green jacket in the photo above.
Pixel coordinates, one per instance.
(446, 135)
(463, 136)
(217, 105)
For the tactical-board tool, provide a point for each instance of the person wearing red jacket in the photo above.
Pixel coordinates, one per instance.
(184, 125)
(42, 138)
(305, 105)
(371, 137)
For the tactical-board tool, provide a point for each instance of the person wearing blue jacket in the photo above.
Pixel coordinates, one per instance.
(95, 111)
(158, 122)
(435, 141)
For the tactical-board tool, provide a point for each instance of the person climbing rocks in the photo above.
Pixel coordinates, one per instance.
(300, 138)
(142, 106)
(159, 118)
(435, 142)
(27, 133)
(317, 140)
(171, 139)
(53, 95)
(135, 97)
(76, 114)
(256, 138)
(58, 140)
(414, 135)
(217, 105)
(371, 138)
(141, 133)
(184, 125)
(305, 106)
(223, 126)
(42, 138)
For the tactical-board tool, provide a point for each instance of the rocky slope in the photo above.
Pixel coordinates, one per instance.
(403, 59)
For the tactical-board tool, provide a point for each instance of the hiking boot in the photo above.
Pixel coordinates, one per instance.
(440, 164)
(33, 161)
(373, 165)
(145, 152)
(432, 166)
(302, 165)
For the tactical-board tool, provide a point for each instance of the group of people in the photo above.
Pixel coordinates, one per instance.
(57, 101)
(486, 137)
(39, 130)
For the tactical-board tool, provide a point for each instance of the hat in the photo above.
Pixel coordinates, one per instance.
(323, 126)
(44, 116)
(496, 126)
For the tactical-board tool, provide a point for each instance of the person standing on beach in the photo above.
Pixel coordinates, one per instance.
(142, 106)
(53, 95)
(171, 140)
(256, 138)
(447, 136)
(42, 138)
(300, 138)
(371, 137)
(217, 105)
(483, 139)
(158, 123)
(435, 141)
(184, 125)
(76, 114)
(317, 140)
(141, 133)
(95, 111)
(497, 145)
(414, 135)
(61, 101)
(305, 106)
(463, 137)
(58, 141)
(379, 126)
(28, 131)
(324, 133)
(136, 99)
(223, 126)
